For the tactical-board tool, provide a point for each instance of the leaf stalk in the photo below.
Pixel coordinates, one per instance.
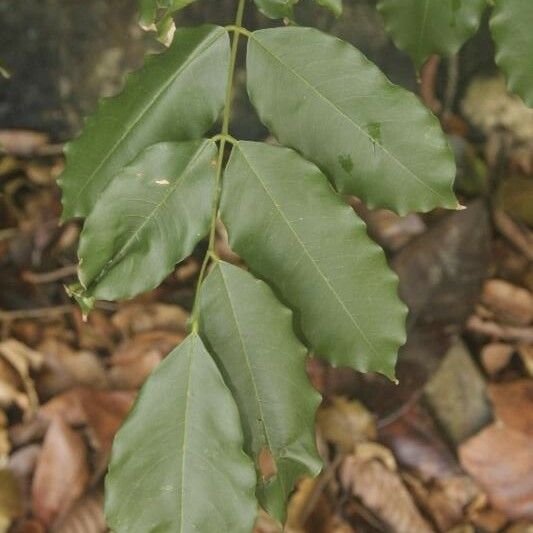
(223, 137)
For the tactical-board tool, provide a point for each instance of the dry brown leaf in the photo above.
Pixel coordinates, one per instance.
(418, 444)
(22, 359)
(511, 304)
(501, 461)
(135, 358)
(97, 332)
(383, 492)
(445, 500)
(496, 356)
(298, 503)
(102, 411)
(513, 404)
(22, 465)
(65, 368)
(345, 423)
(489, 520)
(61, 474)
(22, 142)
(136, 318)
(86, 516)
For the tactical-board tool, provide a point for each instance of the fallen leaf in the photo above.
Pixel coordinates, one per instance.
(496, 356)
(418, 445)
(136, 357)
(65, 368)
(345, 423)
(22, 359)
(136, 318)
(22, 142)
(445, 500)
(85, 516)
(383, 492)
(501, 461)
(456, 395)
(513, 404)
(442, 271)
(102, 411)
(61, 474)
(511, 304)
(22, 465)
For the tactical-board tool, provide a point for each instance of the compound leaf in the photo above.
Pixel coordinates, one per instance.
(250, 333)
(425, 27)
(177, 462)
(276, 9)
(511, 26)
(322, 97)
(148, 219)
(292, 229)
(176, 96)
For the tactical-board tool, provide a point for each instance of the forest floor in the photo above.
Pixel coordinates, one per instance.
(447, 449)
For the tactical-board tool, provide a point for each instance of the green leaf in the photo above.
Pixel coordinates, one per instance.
(292, 229)
(177, 96)
(276, 9)
(148, 219)
(263, 363)
(511, 25)
(335, 6)
(148, 10)
(425, 27)
(322, 97)
(177, 463)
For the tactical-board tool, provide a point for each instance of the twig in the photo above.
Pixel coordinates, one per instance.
(49, 277)
(41, 312)
(512, 232)
(428, 81)
(451, 84)
(318, 489)
(499, 331)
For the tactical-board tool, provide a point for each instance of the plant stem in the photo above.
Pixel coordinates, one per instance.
(223, 137)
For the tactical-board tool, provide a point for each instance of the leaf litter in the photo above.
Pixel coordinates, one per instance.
(397, 458)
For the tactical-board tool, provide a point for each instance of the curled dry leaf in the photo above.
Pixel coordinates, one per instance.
(135, 358)
(345, 423)
(137, 318)
(501, 461)
(61, 474)
(382, 491)
(511, 304)
(21, 359)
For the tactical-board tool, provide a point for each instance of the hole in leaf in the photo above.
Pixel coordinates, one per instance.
(266, 463)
